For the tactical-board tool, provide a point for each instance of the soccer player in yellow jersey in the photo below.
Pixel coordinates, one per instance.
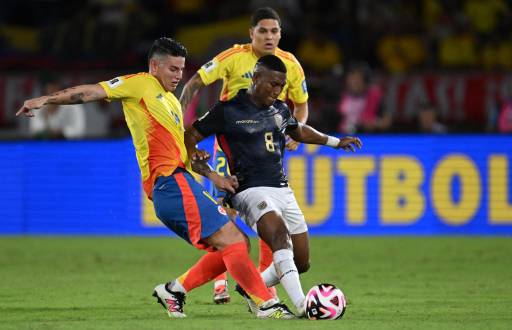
(155, 120)
(235, 67)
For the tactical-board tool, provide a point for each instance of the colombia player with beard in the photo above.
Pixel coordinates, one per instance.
(155, 120)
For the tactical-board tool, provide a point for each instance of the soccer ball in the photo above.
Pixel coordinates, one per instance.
(325, 302)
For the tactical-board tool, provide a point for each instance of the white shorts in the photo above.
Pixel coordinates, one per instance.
(254, 202)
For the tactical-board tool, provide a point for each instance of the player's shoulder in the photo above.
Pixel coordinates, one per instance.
(139, 75)
(235, 50)
(281, 105)
(286, 57)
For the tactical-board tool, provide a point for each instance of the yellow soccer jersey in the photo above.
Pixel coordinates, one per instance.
(155, 121)
(235, 67)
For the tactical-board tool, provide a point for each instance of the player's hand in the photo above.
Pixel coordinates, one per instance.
(32, 104)
(350, 143)
(291, 144)
(200, 155)
(228, 183)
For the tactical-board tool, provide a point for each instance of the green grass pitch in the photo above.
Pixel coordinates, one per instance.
(390, 283)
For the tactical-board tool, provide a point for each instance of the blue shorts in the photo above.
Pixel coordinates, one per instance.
(183, 205)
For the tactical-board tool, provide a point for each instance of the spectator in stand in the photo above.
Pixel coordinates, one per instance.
(427, 120)
(505, 117)
(360, 106)
(58, 121)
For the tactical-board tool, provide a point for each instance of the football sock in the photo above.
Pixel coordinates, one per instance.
(266, 257)
(270, 276)
(289, 276)
(206, 269)
(222, 277)
(175, 286)
(240, 266)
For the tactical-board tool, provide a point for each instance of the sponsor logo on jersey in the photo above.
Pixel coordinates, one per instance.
(209, 66)
(247, 121)
(262, 205)
(115, 82)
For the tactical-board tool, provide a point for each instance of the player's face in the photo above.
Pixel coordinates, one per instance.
(265, 36)
(168, 70)
(267, 86)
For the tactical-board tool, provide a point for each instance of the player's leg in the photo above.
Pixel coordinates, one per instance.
(205, 225)
(272, 229)
(265, 260)
(263, 206)
(220, 164)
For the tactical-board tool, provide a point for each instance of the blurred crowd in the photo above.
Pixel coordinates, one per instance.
(354, 52)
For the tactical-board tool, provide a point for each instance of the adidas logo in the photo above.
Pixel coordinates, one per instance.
(247, 75)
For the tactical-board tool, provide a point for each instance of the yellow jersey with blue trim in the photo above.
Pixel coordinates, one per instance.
(155, 120)
(235, 67)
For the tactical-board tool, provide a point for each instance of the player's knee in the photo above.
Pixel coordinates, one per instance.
(281, 239)
(302, 267)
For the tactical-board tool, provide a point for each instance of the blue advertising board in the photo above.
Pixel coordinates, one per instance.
(397, 184)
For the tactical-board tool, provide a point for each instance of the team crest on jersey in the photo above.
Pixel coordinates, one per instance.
(279, 120)
(209, 66)
(262, 205)
(221, 210)
(115, 82)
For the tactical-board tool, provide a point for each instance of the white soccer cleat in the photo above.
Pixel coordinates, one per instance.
(275, 311)
(221, 294)
(172, 302)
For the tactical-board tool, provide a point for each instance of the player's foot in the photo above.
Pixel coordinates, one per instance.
(301, 311)
(220, 293)
(275, 311)
(171, 301)
(253, 308)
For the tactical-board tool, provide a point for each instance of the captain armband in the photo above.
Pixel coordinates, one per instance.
(332, 141)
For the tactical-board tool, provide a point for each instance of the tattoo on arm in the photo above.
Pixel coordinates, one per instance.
(77, 98)
(74, 95)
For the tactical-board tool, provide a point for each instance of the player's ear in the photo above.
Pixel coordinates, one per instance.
(251, 31)
(153, 65)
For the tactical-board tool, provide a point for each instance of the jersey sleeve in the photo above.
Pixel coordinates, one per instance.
(297, 90)
(215, 69)
(125, 87)
(211, 122)
(289, 121)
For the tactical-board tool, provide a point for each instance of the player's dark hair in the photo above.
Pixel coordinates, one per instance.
(264, 13)
(167, 46)
(271, 62)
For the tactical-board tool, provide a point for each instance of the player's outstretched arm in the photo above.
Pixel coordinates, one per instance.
(72, 95)
(190, 90)
(307, 134)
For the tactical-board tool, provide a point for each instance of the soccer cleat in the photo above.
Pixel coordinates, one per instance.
(253, 308)
(171, 301)
(220, 294)
(275, 311)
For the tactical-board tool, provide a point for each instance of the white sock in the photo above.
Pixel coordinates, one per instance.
(176, 286)
(289, 276)
(270, 276)
(220, 283)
